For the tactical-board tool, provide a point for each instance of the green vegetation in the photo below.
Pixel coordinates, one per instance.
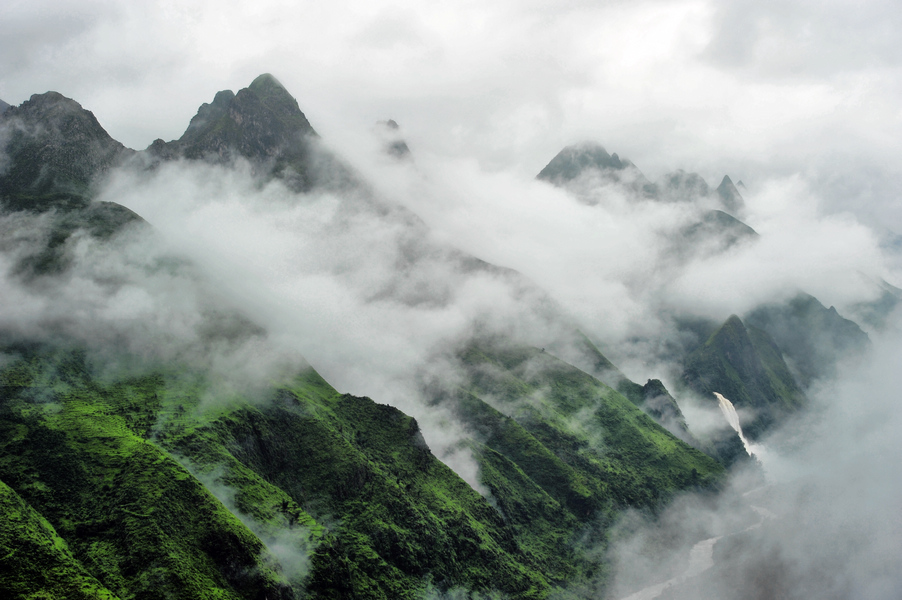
(133, 487)
(584, 443)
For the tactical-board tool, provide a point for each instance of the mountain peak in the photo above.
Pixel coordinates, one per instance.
(392, 142)
(681, 186)
(730, 196)
(266, 83)
(262, 122)
(54, 154)
(575, 159)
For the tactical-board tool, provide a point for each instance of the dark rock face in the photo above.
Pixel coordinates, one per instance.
(55, 150)
(263, 124)
(3, 107)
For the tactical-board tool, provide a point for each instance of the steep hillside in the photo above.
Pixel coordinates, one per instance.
(311, 490)
(746, 366)
(584, 443)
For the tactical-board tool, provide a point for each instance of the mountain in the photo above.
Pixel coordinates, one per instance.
(730, 196)
(588, 163)
(3, 107)
(590, 160)
(681, 186)
(55, 150)
(813, 337)
(55, 153)
(716, 232)
(136, 473)
(393, 143)
(262, 123)
(744, 364)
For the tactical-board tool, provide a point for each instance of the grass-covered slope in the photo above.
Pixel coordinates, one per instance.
(36, 561)
(583, 443)
(133, 517)
(137, 486)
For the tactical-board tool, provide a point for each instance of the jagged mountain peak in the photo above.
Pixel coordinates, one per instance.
(257, 122)
(57, 114)
(262, 123)
(54, 153)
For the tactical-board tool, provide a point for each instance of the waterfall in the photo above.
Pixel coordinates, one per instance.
(729, 412)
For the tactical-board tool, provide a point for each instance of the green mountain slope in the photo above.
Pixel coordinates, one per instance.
(36, 561)
(583, 443)
(315, 492)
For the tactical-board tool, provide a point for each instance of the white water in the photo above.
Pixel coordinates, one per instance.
(732, 417)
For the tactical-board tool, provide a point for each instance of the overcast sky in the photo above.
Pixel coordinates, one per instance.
(750, 88)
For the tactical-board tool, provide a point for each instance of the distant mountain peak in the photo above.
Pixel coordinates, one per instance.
(262, 123)
(730, 196)
(574, 160)
(681, 186)
(392, 142)
(54, 154)
(3, 107)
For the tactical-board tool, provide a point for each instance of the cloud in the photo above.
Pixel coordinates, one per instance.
(608, 257)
